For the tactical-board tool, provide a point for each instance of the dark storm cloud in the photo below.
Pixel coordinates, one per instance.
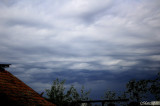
(99, 44)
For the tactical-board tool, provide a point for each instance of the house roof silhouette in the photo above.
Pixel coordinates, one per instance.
(15, 92)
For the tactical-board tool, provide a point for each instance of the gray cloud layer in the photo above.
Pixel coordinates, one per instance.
(48, 37)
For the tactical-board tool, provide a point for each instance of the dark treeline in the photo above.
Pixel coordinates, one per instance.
(137, 91)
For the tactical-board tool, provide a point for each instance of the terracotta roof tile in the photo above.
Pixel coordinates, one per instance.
(15, 92)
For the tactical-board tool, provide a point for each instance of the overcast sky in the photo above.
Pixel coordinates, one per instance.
(100, 44)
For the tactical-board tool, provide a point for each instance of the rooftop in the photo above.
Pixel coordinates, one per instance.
(15, 92)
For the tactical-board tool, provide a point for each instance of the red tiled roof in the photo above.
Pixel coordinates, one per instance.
(15, 92)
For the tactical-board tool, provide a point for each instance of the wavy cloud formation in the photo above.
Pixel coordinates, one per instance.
(82, 38)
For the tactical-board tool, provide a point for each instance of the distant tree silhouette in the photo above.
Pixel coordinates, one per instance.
(59, 96)
(137, 89)
(154, 87)
(109, 95)
(142, 89)
(112, 95)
